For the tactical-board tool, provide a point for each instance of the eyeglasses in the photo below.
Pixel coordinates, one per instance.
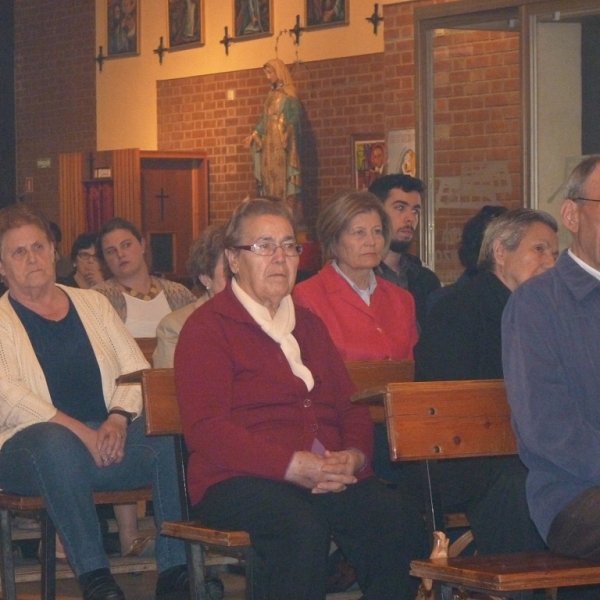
(588, 199)
(269, 248)
(83, 255)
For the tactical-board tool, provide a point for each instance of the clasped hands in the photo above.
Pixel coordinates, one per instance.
(332, 472)
(107, 443)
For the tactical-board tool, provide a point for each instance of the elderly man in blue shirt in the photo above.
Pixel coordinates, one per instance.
(551, 354)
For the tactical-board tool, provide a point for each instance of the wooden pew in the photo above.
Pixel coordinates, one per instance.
(430, 421)
(372, 373)
(162, 418)
(147, 346)
(11, 502)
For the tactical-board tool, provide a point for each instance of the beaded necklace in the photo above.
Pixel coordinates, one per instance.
(152, 292)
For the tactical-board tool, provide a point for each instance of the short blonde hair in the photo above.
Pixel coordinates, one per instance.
(336, 215)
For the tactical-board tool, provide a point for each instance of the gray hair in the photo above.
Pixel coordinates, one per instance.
(510, 229)
(250, 209)
(579, 176)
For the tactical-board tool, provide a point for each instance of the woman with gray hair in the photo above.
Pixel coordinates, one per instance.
(206, 265)
(462, 340)
(367, 317)
(276, 447)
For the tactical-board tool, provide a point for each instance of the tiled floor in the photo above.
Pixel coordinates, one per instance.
(135, 587)
(141, 587)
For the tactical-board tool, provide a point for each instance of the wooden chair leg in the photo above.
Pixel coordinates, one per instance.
(48, 557)
(9, 588)
(252, 561)
(195, 554)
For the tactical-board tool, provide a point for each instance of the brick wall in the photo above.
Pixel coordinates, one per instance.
(477, 110)
(339, 98)
(55, 90)
(477, 134)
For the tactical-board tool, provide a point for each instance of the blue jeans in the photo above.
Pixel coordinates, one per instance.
(48, 460)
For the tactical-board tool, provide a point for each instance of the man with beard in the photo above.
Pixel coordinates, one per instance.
(401, 198)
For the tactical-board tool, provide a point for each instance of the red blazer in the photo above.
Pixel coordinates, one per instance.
(243, 410)
(387, 329)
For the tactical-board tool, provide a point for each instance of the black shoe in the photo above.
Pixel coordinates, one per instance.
(173, 584)
(100, 585)
(215, 590)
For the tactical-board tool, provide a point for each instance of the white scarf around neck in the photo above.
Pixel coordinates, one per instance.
(278, 328)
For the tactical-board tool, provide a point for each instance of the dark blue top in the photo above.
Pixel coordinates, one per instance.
(551, 354)
(67, 358)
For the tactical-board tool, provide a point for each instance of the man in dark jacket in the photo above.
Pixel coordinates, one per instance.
(401, 199)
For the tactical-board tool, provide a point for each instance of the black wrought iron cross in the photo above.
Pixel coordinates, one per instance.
(162, 197)
(375, 19)
(227, 41)
(297, 30)
(100, 58)
(160, 50)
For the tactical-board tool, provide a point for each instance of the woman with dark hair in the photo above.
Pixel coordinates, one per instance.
(468, 249)
(139, 298)
(88, 272)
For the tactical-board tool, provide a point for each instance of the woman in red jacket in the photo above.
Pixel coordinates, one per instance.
(367, 317)
(276, 447)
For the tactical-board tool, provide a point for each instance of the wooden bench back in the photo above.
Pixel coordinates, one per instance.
(448, 419)
(147, 346)
(369, 374)
(160, 402)
(160, 397)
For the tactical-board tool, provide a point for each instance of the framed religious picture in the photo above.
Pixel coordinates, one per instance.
(326, 13)
(252, 18)
(186, 22)
(123, 27)
(369, 159)
(402, 157)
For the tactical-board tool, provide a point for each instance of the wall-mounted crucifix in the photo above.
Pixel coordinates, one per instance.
(162, 197)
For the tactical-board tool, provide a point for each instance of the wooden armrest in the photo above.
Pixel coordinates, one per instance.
(131, 378)
(371, 396)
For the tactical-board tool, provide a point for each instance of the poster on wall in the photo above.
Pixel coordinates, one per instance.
(326, 13)
(402, 157)
(123, 29)
(252, 18)
(186, 20)
(368, 159)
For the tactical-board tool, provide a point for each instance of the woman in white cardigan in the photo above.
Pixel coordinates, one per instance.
(66, 428)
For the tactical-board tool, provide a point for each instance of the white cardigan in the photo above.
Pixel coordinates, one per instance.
(24, 395)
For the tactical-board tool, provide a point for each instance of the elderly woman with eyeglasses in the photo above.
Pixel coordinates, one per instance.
(276, 447)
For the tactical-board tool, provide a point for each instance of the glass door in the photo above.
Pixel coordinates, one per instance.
(563, 59)
(469, 125)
